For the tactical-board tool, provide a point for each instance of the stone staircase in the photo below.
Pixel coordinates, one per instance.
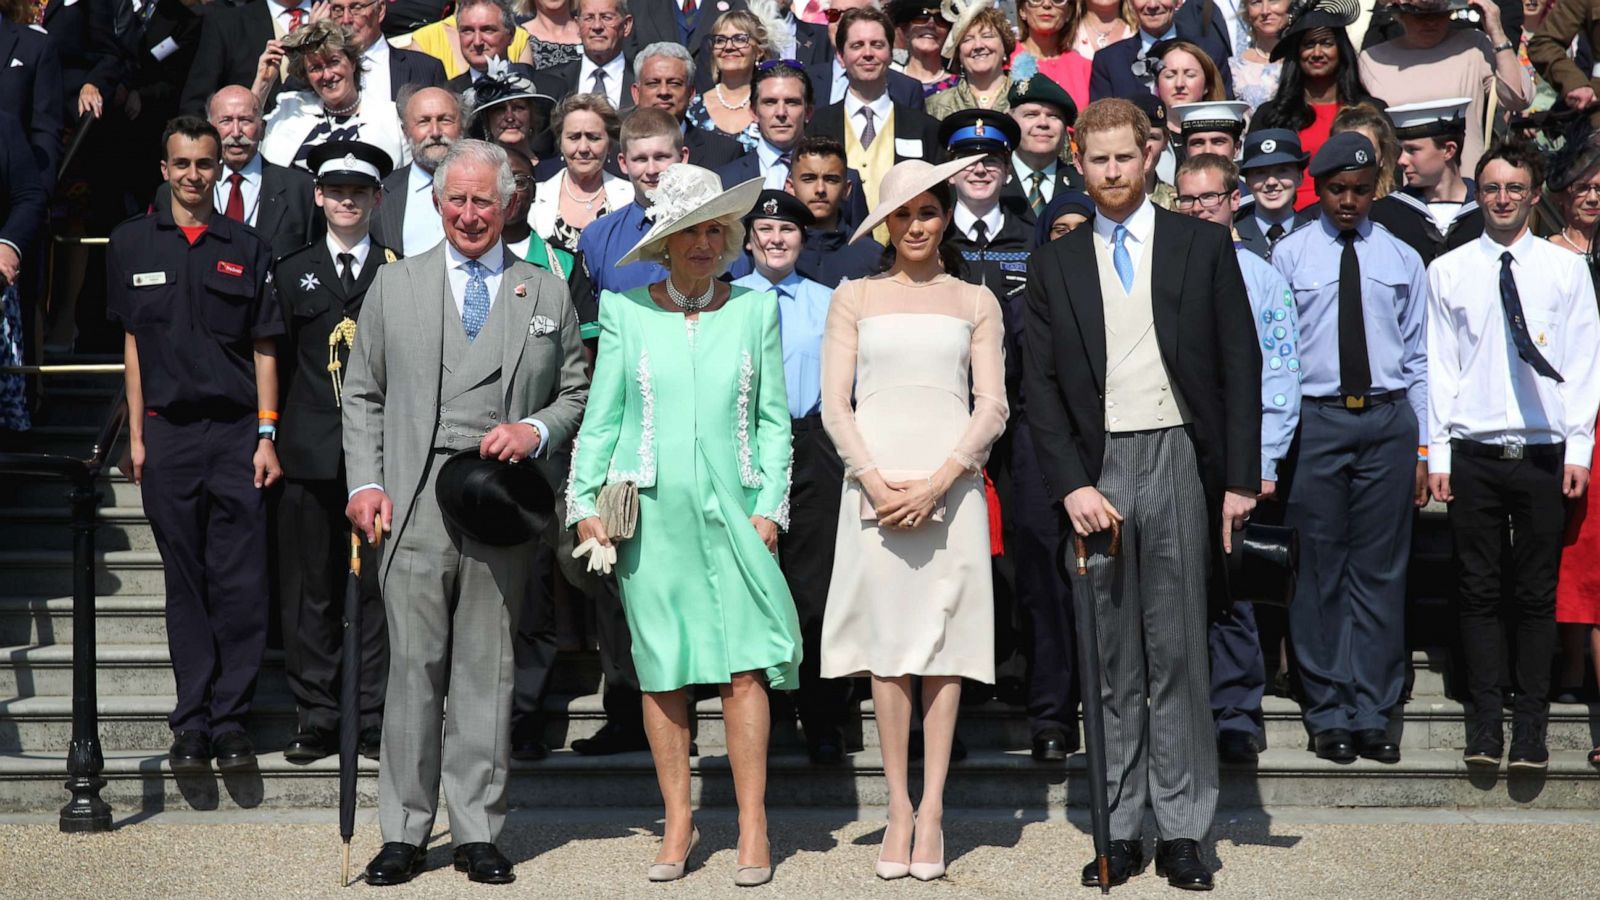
(136, 693)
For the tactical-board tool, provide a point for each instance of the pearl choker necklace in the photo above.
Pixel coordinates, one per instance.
(687, 303)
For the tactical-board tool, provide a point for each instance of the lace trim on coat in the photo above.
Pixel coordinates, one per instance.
(748, 476)
(645, 475)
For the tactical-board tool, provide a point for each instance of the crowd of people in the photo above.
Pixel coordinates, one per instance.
(776, 347)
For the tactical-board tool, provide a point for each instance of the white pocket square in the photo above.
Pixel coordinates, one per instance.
(541, 326)
(16, 63)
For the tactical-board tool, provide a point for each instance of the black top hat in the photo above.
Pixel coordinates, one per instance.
(495, 503)
(1263, 564)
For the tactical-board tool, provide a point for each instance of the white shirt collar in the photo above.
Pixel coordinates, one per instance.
(880, 109)
(1519, 249)
(359, 251)
(1140, 223)
(420, 179)
(992, 220)
(379, 51)
(251, 171)
(613, 70)
(494, 259)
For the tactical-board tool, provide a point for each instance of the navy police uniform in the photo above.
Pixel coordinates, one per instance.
(195, 311)
(320, 288)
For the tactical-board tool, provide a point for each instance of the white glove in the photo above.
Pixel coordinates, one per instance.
(601, 557)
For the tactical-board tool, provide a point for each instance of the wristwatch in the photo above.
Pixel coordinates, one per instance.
(1507, 45)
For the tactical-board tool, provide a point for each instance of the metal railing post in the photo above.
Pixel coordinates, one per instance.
(85, 811)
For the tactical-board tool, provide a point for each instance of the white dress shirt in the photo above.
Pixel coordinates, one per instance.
(375, 80)
(250, 186)
(1141, 228)
(774, 173)
(358, 252)
(494, 264)
(423, 229)
(614, 74)
(1479, 389)
(965, 219)
(881, 108)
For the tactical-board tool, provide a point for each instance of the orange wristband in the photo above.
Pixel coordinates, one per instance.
(267, 415)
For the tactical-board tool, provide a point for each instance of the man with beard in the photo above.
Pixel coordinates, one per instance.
(1143, 383)
(191, 288)
(407, 220)
(274, 200)
(1360, 462)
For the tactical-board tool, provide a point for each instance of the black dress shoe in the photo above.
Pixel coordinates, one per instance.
(233, 749)
(1124, 859)
(370, 741)
(1335, 745)
(190, 750)
(1180, 862)
(396, 863)
(611, 739)
(1051, 745)
(310, 745)
(1238, 748)
(1374, 744)
(1486, 744)
(527, 739)
(1528, 749)
(484, 863)
(826, 751)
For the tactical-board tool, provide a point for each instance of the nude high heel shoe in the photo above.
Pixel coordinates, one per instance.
(672, 871)
(753, 876)
(889, 869)
(930, 871)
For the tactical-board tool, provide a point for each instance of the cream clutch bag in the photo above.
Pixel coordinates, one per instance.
(618, 505)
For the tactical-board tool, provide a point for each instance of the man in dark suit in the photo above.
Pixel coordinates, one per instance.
(603, 68)
(876, 131)
(829, 80)
(23, 201)
(1121, 70)
(1044, 114)
(320, 288)
(160, 52)
(274, 200)
(231, 41)
(83, 34)
(664, 77)
(406, 219)
(30, 89)
(1143, 382)
(780, 100)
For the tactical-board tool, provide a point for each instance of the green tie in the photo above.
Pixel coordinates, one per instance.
(1035, 195)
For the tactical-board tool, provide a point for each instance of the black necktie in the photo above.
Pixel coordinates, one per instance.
(1274, 232)
(1512, 301)
(980, 234)
(347, 275)
(1355, 373)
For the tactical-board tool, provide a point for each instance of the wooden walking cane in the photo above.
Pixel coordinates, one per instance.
(1094, 723)
(350, 699)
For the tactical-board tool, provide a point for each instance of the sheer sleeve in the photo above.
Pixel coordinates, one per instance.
(839, 340)
(989, 409)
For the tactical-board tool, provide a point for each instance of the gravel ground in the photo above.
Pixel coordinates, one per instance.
(1304, 854)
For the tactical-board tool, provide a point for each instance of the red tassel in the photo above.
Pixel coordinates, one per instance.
(997, 543)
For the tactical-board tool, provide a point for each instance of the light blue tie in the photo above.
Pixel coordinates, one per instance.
(1120, 257)
(475, 304)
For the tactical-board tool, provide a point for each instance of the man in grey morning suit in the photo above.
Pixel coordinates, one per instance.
(1143, 383)
(464, 347)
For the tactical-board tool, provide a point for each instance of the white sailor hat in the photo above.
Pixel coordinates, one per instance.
(349, 162)
(1212, 115)
(1430, 118)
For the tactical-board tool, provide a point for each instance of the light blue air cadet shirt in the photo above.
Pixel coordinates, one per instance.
(1394, 297)
(1279, 332)
(802, 315)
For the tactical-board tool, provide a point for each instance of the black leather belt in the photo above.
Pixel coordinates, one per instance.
(1481, 450)
(1357, 403)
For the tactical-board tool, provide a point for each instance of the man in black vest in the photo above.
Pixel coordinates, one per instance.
(320, 288)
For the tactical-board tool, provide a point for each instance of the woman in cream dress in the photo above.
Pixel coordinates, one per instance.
(911, 592)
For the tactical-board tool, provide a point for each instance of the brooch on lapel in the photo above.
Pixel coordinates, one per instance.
(309, 282)
(541, 326)
(521, 290)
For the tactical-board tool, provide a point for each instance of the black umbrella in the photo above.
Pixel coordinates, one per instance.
(350, 703)
(1094, 721)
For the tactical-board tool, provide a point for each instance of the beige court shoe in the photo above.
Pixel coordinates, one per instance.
(672, 871)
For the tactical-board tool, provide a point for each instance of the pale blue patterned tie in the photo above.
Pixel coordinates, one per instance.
(475, 304)
(1120, 257)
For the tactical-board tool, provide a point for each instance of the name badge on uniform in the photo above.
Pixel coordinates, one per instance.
(146, 279)
(910, 148)
(228, 268)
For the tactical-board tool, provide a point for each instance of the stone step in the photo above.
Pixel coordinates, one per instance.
(119, 619)
(76, 404)
(50, 528)
(49, 572)
(141, 781)
(122, 670)
(128, 722)
(50, 493)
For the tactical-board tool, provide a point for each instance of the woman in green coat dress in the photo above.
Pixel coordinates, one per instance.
(688, 403)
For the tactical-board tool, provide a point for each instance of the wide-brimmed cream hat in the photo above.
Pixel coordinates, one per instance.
(960, 13)
(688, 195)
(904, 182)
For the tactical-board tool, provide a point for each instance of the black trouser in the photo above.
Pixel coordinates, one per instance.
(313, 570)
(210, 524)
(621, 700)
(805, 553)
(1491, 495)
(534, 646)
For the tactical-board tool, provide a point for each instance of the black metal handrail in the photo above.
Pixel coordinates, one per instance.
(85, 811)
